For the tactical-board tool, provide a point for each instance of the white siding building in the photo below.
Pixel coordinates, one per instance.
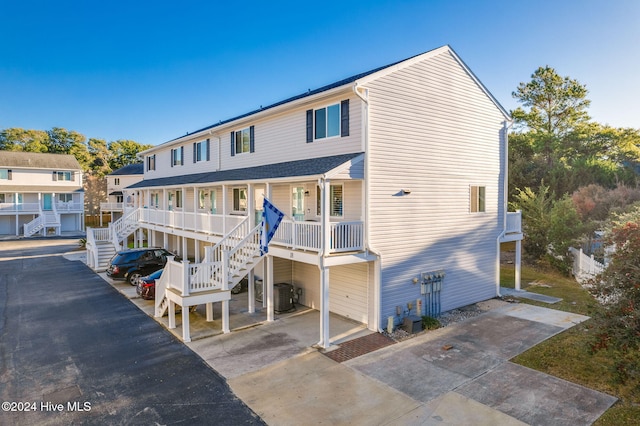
(40, 194)
(116, 182)
(392, 182)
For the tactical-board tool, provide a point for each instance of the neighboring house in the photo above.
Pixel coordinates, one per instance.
(116, 182)
(392, 181)
(40, 193)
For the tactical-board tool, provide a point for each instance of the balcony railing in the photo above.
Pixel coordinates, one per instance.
(344, 236)
(114, 207)
(69, 206)
(23, 207)
(214, 224)
(514, 222)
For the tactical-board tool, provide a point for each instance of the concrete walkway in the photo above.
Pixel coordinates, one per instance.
(418, 381)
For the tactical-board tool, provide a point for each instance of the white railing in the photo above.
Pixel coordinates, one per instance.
(171, 267)
(23, 207)
(92, 248)
(111, 206)
(344, 236)
(514, 222)
(236, 259)
(121, 228)
(214, 224)
(585, 267)
(69, 206)
(204, 277)
(99, 234)
(33, 226)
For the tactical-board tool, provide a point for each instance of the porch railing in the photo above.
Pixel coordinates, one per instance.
(207, 223)
(69, 206)
(111, 206)
(344, 236)
(514, 222)
(21, 207)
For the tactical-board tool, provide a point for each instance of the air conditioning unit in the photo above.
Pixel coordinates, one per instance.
(283, 297)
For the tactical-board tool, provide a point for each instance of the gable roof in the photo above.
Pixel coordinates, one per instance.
(288, 169)
(354, 79)
(38, 160)
(129, 169)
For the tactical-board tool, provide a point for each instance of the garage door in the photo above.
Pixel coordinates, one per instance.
(348, 291)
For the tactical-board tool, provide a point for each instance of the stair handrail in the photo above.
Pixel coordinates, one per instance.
(162, 285)
(30, 226)
(132, 216)
(236, 258)
(92, 248)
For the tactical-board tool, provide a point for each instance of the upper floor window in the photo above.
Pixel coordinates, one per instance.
(65, 198)
(119, 198)
(328, 122)
(478, 199)
(243, 141)
(177, 156)
(116, 181)
(179, 199)
(202, 197)
(63, 176)
(201, 151)
(151, 162)
(239, 199)
(5, 174)
(2, 199)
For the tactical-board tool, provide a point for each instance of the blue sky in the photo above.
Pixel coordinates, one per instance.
(152, 71)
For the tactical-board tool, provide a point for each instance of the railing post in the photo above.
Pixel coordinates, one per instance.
(225, 270)
(186, 284)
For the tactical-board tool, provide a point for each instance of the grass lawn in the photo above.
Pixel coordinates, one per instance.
(567, 355)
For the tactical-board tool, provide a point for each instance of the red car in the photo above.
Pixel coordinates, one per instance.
(146, 286)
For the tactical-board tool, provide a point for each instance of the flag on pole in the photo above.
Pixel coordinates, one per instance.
(271, 218)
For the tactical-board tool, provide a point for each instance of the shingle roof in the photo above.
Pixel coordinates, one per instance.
(38, 160)
(129, 169)
(339, 83)
(298, 168)
(40, 188)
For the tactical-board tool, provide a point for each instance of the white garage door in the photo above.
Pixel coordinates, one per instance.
(348, 286)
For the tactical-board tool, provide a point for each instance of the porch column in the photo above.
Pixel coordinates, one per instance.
(185, 252)
(184, 206)
(324, 305)
(326, 224)
(251, 291)
(268, 281)
(518, 261)
(165, 240)
(224, 209)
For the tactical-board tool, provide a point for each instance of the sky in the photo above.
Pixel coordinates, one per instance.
(151, 71)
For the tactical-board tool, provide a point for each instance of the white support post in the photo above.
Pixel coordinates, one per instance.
(186, 337)
(518, 263)
(210, 311)
(185, 278)
(225, 316)
(224, 209)
(268, 282)
(251, 291)
(185, 251)
(324, 306)
(172, 314)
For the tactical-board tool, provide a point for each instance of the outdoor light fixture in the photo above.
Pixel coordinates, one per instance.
(405, 191)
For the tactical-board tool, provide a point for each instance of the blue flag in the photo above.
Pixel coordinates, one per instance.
(271, 218)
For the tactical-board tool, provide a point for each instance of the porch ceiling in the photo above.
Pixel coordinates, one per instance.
(288, 169)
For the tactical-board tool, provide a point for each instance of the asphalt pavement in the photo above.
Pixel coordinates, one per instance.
(73, 350)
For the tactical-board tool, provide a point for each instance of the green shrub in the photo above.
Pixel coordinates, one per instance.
(430, 323)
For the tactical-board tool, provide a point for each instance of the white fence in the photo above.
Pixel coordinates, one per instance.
(585, 267)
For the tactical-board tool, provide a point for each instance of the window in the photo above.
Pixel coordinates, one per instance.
(335, 198)
(212, 197)
(239, 199)
(5, 174)
(243, 141)
(201, 151)
(63, 176)
(2, 199)
(119, 198)
(116, 181)
(155, 200)
(177, 156)
(179, 199)
(297, 209)
(328, 122)
(151, 162)
(478, 199)
(65, 198)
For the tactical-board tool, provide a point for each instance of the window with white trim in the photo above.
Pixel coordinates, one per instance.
(239, 199)
(243, 140)
(179, 199)
(177, 156)
(119, 198)
(201, 151)
(213, 202)
(477, 201)
(2, 199)
(68, 176)
(116, 181)
(202, 197)
(65, 198)
(327, 122)
(5, 174)
(335, 200)
(151, 162)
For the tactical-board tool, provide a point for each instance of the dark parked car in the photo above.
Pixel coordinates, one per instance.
(135, 263)
(146, 287)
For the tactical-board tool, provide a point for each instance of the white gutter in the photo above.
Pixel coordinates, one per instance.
(367, 208)
(505, 195)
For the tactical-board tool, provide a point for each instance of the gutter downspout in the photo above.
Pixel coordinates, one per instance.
(367, 210)
(505, 194)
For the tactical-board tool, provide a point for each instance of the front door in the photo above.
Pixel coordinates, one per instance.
(46, 202)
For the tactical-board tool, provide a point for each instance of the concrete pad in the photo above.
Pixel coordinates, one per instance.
(455, 409)
(312, 389)
(539, 314)
(537, 398)
(505, 291)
